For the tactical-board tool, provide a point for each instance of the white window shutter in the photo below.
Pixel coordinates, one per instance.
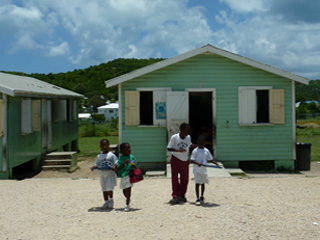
(2, 106)
(160, 108)
(36, 123)
(132, 108)
(177, 111)
(247, 105)
(277, 106)
(26, 116)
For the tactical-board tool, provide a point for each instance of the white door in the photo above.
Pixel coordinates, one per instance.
(177, 111)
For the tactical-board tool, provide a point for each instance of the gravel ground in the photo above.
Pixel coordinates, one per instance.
(55, 205)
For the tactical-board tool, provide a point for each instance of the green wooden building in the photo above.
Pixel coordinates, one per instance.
(35, 118)
(246, 109)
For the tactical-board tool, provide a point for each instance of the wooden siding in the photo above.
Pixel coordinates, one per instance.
(234, 142)
(147, 143)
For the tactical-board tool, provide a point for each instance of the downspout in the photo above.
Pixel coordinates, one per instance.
(294, 119)
(119, 114)
(5, 133)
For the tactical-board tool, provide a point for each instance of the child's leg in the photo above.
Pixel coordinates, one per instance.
(110, 194)
(197, 190)
(105, 195)
(174, 176)
(127, 194)
(184, 177)
(202, 189)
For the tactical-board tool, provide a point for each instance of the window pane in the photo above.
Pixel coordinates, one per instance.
(262, 106)
(146, 108)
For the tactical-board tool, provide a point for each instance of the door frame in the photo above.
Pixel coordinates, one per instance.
(214, 113)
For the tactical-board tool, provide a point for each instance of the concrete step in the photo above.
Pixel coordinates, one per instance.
(212, 172)
(60, 155)
(155, 173)
(57, 162)
(56, 167)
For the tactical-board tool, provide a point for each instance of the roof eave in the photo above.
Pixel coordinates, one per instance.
(206, 48)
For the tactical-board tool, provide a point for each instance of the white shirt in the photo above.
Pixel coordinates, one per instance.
(178, 143)
(200, 155)
(106, 160)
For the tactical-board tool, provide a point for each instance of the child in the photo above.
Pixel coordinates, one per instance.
(179, 146)
(124, 167)
(107, 162)
(200, 156)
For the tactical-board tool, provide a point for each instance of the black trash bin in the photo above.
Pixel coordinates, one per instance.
(303, 156)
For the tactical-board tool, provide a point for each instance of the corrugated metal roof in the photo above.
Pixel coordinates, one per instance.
(14, 85)
(110, 106)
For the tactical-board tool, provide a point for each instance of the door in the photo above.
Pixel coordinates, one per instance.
(177, 112)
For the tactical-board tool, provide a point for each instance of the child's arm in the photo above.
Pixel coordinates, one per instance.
(176, 150)
(195, 162)
(124, 163)
(94, 167)
(114, 167)
(214, 162)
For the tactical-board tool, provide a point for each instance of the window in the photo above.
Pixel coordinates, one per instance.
(26, 117)
(146, 107)
(72, 110)
(36, 118)
(261, 105)
(30, 115)
(59, 110)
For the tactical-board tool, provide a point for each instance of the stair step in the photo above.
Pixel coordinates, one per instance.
(57, 162)
(56, 167)
(60, 155)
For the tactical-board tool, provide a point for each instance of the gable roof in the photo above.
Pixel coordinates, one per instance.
(205, 49)
(14, 85)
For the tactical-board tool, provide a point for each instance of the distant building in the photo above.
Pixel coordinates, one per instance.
(84, 116)
(36, 118)
(110, 111)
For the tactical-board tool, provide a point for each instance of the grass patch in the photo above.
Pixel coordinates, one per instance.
(311, 135)
(89, 146)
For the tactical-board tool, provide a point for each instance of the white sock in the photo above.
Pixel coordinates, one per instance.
(110, 199)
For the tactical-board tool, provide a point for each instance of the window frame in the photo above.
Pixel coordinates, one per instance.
(240, 107)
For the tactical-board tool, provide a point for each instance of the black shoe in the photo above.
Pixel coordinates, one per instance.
(183, 199)
(174, 200)
(202, 200)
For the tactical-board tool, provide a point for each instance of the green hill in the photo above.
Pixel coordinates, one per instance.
(91, 81)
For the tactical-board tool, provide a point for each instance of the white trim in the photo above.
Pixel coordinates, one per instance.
(204, 49)
(120, 114)
(256, 125)
(256, 87)
(293, 86)
(5, 137)
(200, 89)
(153, 89)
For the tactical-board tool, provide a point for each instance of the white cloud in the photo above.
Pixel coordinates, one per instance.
(60, 50)
(245, 6)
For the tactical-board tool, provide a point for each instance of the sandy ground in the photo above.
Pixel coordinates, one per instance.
(262, 206)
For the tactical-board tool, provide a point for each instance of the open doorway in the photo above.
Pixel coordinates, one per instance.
(201, 117)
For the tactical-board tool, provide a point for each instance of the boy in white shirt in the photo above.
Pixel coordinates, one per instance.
(107, 162)
(179, 146)
(200, 156)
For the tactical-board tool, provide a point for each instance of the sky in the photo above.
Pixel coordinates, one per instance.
(46, 36)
